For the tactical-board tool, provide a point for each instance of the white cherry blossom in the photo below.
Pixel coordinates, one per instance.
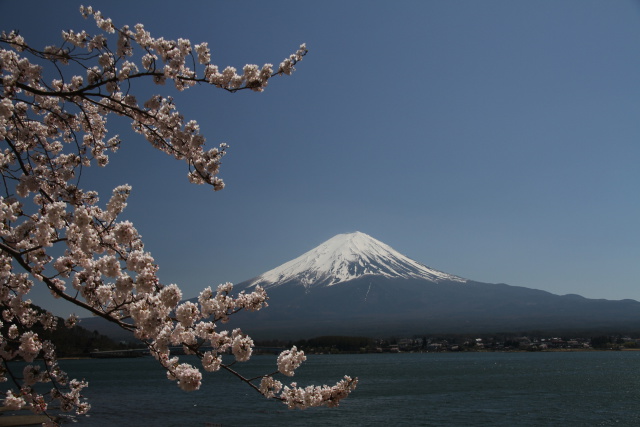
(55, 234)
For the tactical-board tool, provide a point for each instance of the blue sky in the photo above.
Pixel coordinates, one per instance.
(494, 140)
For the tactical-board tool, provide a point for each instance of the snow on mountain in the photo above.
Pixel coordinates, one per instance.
(346, 257)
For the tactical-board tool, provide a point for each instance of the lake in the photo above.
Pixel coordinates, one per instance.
(418, 389)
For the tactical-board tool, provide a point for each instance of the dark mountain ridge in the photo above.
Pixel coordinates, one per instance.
(373, 306)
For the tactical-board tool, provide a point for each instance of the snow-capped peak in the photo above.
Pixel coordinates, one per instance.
(346, 257)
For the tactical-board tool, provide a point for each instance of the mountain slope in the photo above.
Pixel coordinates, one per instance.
(354, 284)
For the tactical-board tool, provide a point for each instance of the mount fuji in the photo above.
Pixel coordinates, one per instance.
(348, 257)
(354, 284)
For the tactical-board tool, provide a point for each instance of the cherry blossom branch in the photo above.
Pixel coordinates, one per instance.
(50, 132)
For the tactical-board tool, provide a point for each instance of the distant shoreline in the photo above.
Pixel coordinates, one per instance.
(549, 350)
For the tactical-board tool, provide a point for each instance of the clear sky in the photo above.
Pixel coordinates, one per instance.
(494, 140)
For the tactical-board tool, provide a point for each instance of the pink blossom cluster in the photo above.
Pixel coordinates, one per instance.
(307, 397)
(66, 393)
(312, 396)
(303, 397)
(55, 234)
(289, 360)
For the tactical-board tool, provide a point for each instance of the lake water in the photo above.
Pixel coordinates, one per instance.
(447, 389)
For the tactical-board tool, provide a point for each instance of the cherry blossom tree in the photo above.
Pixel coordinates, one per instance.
(54, 107)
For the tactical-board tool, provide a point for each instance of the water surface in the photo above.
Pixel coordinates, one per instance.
(449, 389)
